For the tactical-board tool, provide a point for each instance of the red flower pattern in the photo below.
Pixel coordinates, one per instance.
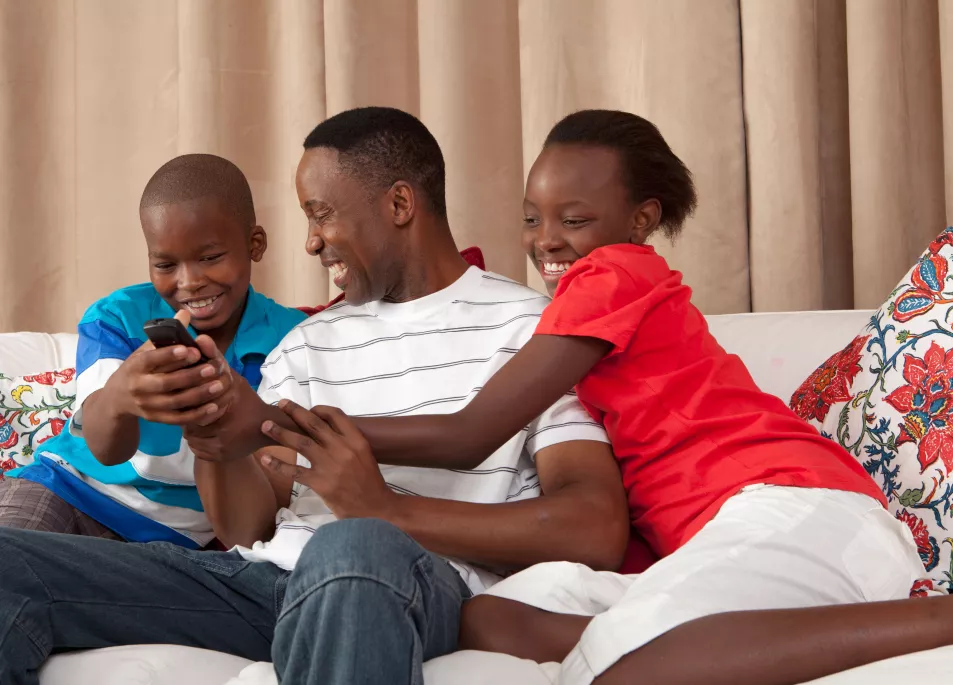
(922, 588)
(51, 377)
(830, 383)
(926, 402)
(927, 547)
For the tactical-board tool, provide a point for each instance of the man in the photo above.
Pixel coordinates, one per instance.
(363, 577)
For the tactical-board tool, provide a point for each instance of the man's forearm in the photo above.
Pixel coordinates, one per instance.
(238, 499)
(573, 524)
(112, 436)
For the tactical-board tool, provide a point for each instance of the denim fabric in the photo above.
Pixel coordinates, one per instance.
(365, 604)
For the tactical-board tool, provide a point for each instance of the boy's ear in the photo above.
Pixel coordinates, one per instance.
(257, 243)
(645, 220)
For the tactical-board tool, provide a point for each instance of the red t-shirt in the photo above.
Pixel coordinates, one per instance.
(687, 423)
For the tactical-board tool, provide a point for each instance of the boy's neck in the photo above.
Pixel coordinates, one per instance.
(224, 335)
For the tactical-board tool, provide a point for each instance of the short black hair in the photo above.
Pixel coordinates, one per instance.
(200, 175)
(382, 145)
(650, 168)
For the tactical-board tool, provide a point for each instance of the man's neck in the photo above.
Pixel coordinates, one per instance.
(434, 264)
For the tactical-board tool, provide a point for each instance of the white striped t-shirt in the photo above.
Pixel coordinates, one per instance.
(426, 356)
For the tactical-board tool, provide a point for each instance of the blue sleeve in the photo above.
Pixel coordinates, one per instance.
(104, 334)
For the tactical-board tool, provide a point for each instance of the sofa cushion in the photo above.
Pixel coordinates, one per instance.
(887, 398)
(33, 408)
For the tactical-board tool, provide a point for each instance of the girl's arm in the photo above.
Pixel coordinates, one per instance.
(545, 369)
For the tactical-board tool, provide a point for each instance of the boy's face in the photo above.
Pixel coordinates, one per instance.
(200, 259)
(576, 201)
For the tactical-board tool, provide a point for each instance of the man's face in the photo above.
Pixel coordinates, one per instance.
(350, 230)
(200, 259)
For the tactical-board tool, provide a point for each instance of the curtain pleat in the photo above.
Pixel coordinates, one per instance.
(820, 132)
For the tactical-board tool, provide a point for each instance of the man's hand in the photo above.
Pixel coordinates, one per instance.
(234, 433)
(162, 386)
(343, 471)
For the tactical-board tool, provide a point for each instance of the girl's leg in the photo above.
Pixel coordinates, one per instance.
(786, 646)
(751, 599)
(494, 624)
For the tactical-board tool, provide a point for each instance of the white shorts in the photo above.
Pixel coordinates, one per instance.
(768, 548)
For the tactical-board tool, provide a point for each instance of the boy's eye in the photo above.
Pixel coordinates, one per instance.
(213, 257)
(163, 266)
(530, 221)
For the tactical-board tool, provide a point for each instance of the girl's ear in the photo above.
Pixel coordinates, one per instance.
(645, 220)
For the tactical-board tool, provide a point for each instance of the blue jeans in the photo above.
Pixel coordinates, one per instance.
(365, 604)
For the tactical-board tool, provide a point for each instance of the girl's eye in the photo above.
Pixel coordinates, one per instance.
(213, 257)
(164, 266)
(574, 222)
(530, 221)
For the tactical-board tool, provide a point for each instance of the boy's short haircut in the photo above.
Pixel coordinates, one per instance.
(192, 176)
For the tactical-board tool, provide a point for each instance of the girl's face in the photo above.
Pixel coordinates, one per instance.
(575, 202)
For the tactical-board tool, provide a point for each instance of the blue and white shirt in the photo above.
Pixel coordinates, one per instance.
(153, 495)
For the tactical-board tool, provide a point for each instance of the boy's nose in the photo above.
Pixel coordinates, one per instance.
(190, 280)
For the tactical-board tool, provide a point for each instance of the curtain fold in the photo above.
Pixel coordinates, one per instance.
(820, 132)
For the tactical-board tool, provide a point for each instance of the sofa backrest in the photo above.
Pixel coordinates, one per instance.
(780, 349)
(26, 353)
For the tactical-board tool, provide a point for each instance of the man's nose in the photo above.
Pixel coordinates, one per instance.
(314, 244)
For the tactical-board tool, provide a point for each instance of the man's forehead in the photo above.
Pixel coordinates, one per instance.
(319, 162)
(322, 179)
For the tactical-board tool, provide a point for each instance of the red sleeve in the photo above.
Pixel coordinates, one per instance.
(597, 299)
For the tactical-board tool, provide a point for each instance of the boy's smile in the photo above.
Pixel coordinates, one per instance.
(200, 260)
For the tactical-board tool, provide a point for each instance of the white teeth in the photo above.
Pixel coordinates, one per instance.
(198, 304)
(337, 270)
(556, 268)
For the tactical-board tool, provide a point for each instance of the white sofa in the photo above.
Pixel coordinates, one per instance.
(779, 349)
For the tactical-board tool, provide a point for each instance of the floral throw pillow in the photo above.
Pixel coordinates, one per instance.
(32, 410)
(887, 398)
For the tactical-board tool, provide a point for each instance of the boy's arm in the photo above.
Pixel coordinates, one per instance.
(547, 367)
(155, 385)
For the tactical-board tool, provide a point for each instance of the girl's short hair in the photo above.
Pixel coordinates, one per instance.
(650, 168)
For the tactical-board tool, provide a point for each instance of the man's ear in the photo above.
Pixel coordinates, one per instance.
(257, 243)
(403, 203)
(645, 220)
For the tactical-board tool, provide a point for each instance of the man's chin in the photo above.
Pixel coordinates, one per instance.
(355, 297)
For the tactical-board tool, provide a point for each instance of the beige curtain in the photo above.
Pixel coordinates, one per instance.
(815, 128)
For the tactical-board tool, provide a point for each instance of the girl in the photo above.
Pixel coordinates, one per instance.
(748, 507)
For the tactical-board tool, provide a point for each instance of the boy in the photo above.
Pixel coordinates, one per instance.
(122, 470)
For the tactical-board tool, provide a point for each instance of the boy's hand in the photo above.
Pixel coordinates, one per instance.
(233, 433)
(160, 385)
